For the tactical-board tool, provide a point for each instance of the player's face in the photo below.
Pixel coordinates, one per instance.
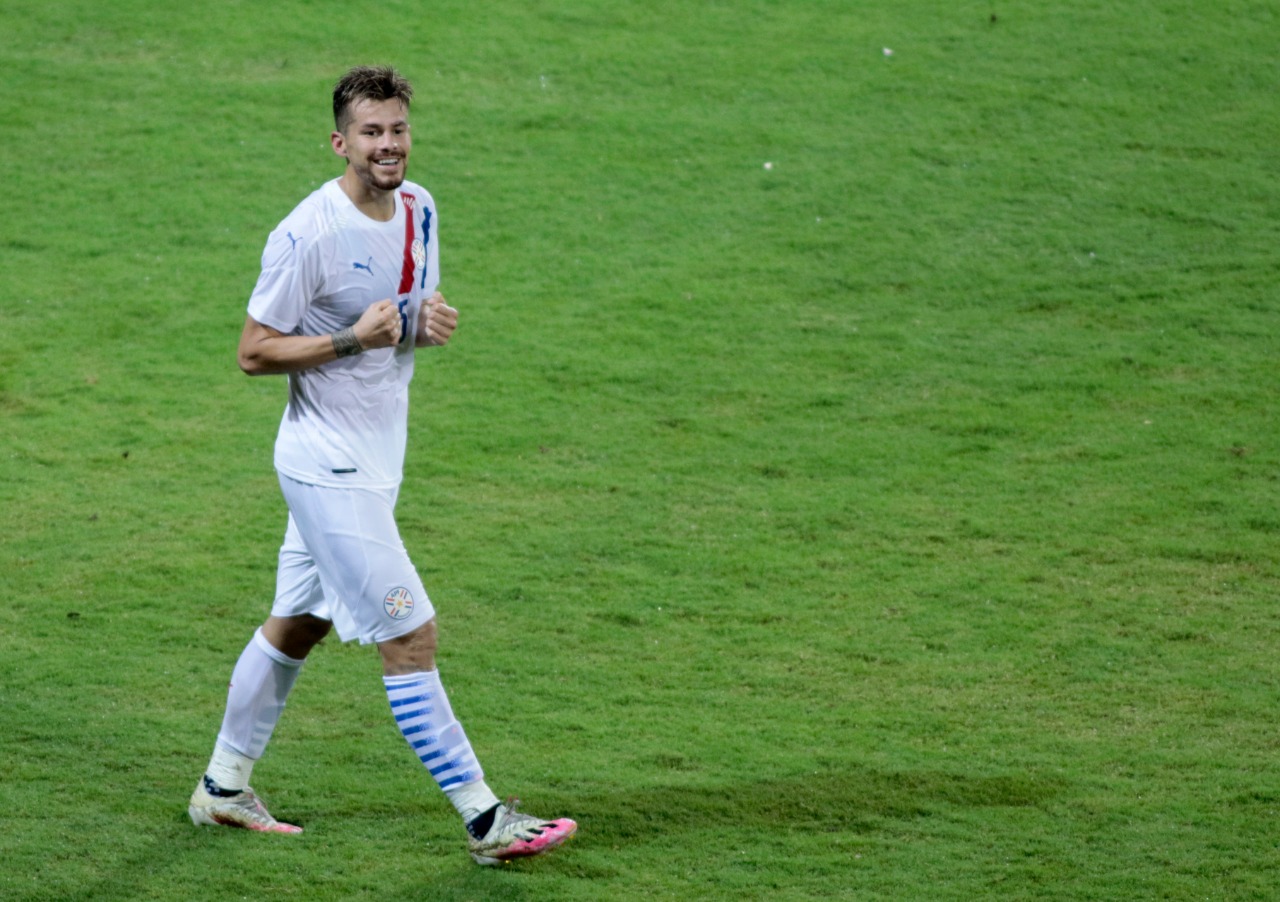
(376, 143)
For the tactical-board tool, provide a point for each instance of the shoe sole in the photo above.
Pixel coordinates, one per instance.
(202, 818)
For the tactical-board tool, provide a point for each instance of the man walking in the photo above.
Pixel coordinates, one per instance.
(346, 294)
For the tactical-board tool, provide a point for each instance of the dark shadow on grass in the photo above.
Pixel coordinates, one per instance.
(853, 799)
(203, 863)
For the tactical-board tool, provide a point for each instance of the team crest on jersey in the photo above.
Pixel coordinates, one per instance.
(398, 604)
(419, 251)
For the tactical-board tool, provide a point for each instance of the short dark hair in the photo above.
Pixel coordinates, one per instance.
(367, 83)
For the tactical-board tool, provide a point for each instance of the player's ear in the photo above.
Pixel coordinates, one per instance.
(339, 143)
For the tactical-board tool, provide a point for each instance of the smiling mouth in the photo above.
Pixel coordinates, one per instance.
(389, 161)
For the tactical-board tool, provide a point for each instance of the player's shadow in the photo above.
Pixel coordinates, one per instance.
(855, 799)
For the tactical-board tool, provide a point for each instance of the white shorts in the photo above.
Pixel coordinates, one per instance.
(343, 560)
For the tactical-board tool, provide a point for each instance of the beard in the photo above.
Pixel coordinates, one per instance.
(376, 177)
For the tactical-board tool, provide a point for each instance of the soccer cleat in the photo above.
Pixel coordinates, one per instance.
(244, 809)
(515, 835)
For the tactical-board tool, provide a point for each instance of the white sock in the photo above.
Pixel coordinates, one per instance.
(471, 799)
(260, 683)
(228, 769)
(425, 719)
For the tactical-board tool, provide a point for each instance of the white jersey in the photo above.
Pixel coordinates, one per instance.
(347, 421)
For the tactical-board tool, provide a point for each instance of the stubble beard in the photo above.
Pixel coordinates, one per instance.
(382, 181)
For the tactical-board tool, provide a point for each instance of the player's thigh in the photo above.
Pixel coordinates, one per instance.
(298, 586)
(352, 536)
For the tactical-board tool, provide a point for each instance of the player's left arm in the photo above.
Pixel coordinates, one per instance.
(436, 322)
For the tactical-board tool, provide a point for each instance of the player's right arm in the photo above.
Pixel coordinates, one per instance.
(266, 351)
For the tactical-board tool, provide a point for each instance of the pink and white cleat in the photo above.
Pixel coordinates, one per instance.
(244, 809)
(515, 835)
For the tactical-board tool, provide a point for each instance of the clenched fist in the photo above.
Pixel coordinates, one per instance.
(379, 326)
(436, 321)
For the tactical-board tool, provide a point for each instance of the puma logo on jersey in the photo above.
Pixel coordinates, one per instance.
(367, 267)
(293, 242)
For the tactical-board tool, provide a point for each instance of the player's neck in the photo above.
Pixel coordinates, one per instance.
(372, 202)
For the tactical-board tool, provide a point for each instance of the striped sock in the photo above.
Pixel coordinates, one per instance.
(426, 721)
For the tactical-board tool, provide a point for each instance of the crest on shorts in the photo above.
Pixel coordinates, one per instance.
(398, 604)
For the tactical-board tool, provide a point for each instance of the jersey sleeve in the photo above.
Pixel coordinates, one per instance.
(290, 277)
(431, 273)
(426, 230)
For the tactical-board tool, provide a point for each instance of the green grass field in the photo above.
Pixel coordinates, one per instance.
(855, 474)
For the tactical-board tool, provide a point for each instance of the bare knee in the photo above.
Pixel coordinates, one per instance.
(295, 636)
(413, 652)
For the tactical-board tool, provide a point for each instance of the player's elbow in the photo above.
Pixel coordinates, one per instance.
(252, 362)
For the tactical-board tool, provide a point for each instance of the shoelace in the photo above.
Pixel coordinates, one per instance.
(520, 823)
(252, 805)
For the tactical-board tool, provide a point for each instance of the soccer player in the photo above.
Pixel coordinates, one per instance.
(346, 294)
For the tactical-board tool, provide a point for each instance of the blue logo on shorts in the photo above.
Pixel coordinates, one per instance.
(398, 604)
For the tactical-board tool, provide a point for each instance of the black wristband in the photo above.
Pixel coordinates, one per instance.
(345, 343)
